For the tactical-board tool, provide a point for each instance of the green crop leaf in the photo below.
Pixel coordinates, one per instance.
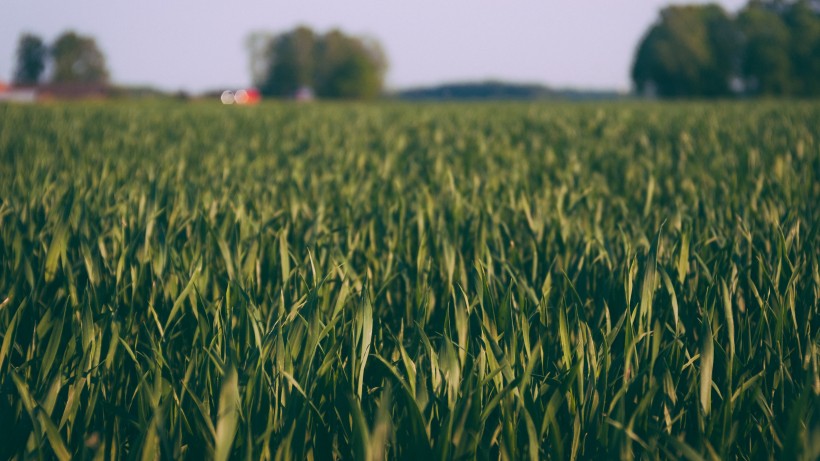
(707, 361)
(228, 416)
(56, 252)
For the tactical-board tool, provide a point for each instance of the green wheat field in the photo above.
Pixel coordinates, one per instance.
(423, 282)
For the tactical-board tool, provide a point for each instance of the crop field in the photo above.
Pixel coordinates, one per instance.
(396, 281)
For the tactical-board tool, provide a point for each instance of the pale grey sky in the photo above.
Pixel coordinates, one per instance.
(199, 44)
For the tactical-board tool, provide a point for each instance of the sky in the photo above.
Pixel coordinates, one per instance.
(197, 45)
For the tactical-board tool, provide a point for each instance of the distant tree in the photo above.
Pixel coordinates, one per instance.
(781, 47)
(766, 61)
(291, 63)
(258, 46)
(348, 67)
(31, 60)
(772, 47)
(803, 19)
(691, 51)
(333, 65)
(77, 58)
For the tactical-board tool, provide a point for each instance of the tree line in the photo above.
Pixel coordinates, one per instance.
(769, 48)
(330, 65)
(72, 58)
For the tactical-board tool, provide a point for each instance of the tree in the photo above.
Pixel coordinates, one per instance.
(772, 47)
(349, 68)
(31, 60)
(691, 51)
(334, 65)
(78, 59)
(291, 64)
(766, 64)
(803, 19)
(781, 54)
(258, 46)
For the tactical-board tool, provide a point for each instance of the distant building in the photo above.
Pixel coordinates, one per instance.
(53, 91)
(9, 93)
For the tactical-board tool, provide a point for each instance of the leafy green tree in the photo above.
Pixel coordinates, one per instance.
(781, 54)
(766, 61)
(803, 20)
(258, 45)
(349, 68)
(77, 58)
(31, 60)
(334, 65)
(292, 62)
(691, 51)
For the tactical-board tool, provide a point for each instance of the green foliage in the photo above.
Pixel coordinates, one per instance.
(77, 59)
(769, 48)
(489, 281)
(766, 65)
(333, 65)
(31, 60)
(804, 22)
(292, 63)
(690, 51)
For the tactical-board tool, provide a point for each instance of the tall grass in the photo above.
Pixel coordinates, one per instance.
(410, 282)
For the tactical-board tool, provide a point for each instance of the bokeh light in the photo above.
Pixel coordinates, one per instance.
(241, 97)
